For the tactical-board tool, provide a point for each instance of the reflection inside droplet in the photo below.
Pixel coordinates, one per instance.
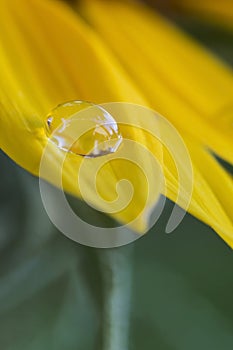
(83, 128)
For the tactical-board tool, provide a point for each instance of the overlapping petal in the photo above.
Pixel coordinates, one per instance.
(50, 55)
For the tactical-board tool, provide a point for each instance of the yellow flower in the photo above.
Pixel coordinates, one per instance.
(49, 55)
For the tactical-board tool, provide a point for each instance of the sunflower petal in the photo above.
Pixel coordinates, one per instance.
(181, 80)
(187, 85)
(48, 56)
(43, 65)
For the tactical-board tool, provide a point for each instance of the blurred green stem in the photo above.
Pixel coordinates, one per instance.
(117, 276)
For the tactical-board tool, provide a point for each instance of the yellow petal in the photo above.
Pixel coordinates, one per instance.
(189, 86)
(44, 64)
(48, 56)
(181, 80)
(212, 189)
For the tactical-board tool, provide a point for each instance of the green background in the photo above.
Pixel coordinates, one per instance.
(52, 289)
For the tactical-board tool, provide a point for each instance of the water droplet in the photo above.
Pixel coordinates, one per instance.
(83, 128)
